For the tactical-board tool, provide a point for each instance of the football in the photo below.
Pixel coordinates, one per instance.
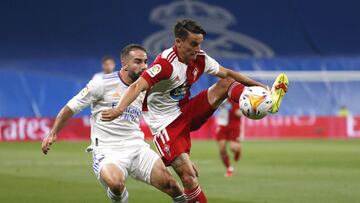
(255, 102)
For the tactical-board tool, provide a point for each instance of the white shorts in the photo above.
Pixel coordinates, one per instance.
(137, 163)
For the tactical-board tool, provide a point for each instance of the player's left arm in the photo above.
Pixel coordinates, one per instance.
(225, 72)
(214, 68)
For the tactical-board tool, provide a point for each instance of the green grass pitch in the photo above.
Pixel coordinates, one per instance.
(269, 172)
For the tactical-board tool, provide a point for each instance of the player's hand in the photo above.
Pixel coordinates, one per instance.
(110, 114)
(47, 142)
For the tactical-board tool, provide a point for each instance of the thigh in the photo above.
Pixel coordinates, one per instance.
(198, 110)
(235, 145)
(143, 164)
(222, 144)
(107, 167)
(218, 92)
(221, 134)
(234, 134)
(173, 140)
(111, 174)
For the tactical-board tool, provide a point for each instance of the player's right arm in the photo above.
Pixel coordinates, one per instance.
(159, 71)
(131, 93)
(63, 116)
(83, 99)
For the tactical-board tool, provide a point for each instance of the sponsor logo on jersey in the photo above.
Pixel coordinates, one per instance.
(179, 92)
(154, 70)
(131, 114)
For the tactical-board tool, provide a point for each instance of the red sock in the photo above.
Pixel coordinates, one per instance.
(237, 156)
(226, 160)
(235, 91)
(195, 195)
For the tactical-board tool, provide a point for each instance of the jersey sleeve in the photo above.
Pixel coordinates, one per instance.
(91, 92)
(160, 70)
(211, 65)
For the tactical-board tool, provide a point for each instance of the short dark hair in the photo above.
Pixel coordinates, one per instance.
(126, 50)
(184, 26)
(106, 58)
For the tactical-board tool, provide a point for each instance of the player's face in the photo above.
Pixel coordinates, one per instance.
(189, 47)
(136, 63)
(108, 66)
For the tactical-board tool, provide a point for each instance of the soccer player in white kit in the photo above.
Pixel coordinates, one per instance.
(107, 65)
(119, 149)
(170, 112)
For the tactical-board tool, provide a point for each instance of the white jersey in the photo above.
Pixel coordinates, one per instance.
(98, 75)
(170, 81)
(103, 93)
(223, 113)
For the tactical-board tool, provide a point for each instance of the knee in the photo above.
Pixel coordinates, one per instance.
(189, 180)
(225, 83)
(235, 148)
(223, 151)
(116, 186)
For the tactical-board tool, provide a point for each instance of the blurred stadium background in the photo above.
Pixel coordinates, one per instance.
(308, 152)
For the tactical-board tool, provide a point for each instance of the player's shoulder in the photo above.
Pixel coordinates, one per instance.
(165, 59)
(168, 55)
(104, 79)
(201, 53)
(114, 75)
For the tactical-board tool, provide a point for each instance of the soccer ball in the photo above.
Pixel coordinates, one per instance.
(255, 102)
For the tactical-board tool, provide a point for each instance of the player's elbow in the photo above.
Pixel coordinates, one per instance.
(135, 88)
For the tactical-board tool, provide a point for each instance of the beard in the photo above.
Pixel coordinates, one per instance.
(134, 76)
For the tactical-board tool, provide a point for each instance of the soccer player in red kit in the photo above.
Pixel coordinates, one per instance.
(168, 109)
(228, 119)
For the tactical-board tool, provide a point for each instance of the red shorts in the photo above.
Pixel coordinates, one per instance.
(228, 133)
(175, 138)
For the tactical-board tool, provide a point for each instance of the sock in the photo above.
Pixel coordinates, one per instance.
(235, 91)
(179, 199)
(237, 156)
(225, 159)
(123, 198)
(195, 195)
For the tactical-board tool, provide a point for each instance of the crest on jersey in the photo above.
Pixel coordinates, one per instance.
(223, 42)
(154, 70)
(116, 95)
(167, 149)
(195, 72)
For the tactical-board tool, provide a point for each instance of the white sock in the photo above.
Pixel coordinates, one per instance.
(179, 199)
(123, 198)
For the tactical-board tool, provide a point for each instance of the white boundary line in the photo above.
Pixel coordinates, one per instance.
(310, 76)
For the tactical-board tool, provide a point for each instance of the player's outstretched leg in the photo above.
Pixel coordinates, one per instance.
(188, 176)
(219, 91)
(162, 179)
(114, 179)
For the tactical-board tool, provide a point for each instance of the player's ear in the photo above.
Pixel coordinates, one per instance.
(125, 67)
(177, 41)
